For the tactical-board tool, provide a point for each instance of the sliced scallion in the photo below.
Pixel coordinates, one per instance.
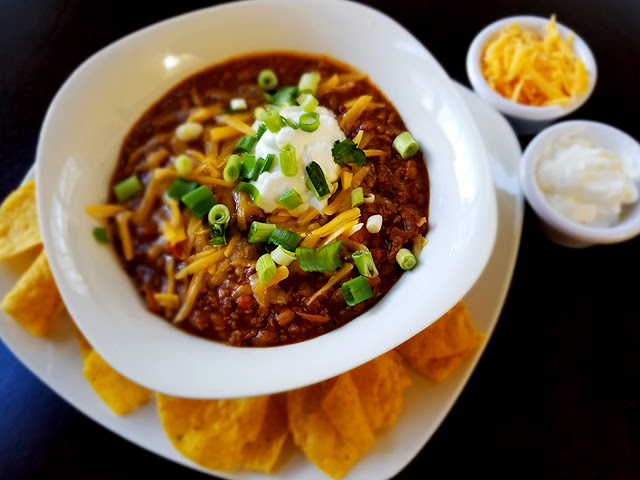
(285, 96)
(246, 144)
(274, 121)
(317, 181)
(291, 123)
(219, 215)
(348, 152)
(309, 82)
(199, 201)
(406, 259)
(364, 263)
(405, 145)
(307, 102)
(285, 238)
(267, 79)
(183, 165)
(266, 268)
(309, 122)
(282, 256)
(127, 188)
(249, 189)
(238, 104)
(290, 199)
(357, 197)
(261, 129)
(249, 166)
(259, 113)
(232, 169)
(356, 290)
(260, 232)
(180, 187)
(101, 235)
(264, 164)
(288, 160)
(324, 259)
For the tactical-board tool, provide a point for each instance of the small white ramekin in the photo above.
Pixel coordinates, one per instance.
(526, 119)
(557, 227)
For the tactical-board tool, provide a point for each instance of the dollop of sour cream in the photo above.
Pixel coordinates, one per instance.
(310, 147)
(586, 184)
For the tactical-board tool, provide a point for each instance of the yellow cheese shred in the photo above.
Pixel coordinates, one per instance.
(533, 69)
(200, 265)
(122, 219)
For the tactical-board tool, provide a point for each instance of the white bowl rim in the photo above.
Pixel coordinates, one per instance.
(514, 109)
(482, 246)
(617, 233)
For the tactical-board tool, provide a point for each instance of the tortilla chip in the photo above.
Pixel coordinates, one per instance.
(219, 434)
(382, 384)
(83, 344)
(34, 301)
(119, 393)
(19, 230)
(263, 454)
(441, 347)
(329, 424)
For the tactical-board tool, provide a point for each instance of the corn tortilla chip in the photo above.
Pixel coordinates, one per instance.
(220, 434)
(382, 384)
(441, 347)
(83, 344)
(118, 392)
(34, 301)
(329, 424)
(19, 230)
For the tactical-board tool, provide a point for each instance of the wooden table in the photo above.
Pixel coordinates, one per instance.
(557, 391)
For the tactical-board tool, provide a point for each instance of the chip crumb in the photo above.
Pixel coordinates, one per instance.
(19, 230)
(34, 301)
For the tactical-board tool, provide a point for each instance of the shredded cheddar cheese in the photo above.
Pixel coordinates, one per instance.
(531, 69)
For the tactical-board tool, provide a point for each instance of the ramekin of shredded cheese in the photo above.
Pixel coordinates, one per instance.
(532, 69)
(582, 179)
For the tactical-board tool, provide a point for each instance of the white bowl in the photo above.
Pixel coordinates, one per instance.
(97, 106)
(557, 227)
(526, 119)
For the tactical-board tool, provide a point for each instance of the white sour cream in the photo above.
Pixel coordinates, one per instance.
(310, 147)
(589, 185)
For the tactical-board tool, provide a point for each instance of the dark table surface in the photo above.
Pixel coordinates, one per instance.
(557, 391)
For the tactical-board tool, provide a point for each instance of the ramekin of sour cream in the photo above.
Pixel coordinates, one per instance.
(582, 179)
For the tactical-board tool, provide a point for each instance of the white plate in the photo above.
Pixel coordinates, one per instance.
(56, 360)
(111, 90)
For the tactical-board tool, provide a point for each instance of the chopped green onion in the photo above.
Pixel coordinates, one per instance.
(253, 192)
(249, 167)
(285, 96)
(307, 102)
(291, 123)
(264, 164)
(356, 290)
(101, 235)
(267, 79)
(238, 104)
(348, 152)
(261, 129)
(183, 165)
(266, 268)
(188, 132)
(219, 215)
(309, 82)
(259, 113)
(180, 187)
(364, 263)
(127, 188)
(246, 144)
(309, 122)
(274, 121)
(288, 160)
(317, 181)
(290, 199)
(218, 235)
(282, 256)
(286, 238)
(232, 169)
(199, 201)
(260, 232)
(324, 259)
(406, 259)
(405, 145)
(357, 197)
(418, 244)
